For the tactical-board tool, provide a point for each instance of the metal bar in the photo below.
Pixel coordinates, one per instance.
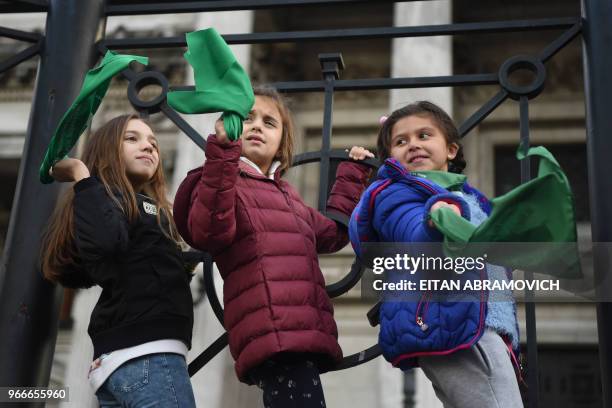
(309, 157)
(118, 9)
(101, 48)
(22, 7)
(373, 314)
(359, 358)
(524, 129)
(325, 147)
(331, 64)
(208, 354)
(20, 35)
(530, 317)
(483, 112)
(345, 284)
(417, 82)
(597, 60)
(337, 154)
(211, 292)
(38, 3)
(128, 74)
(29, 305)
(378, 83)
(19, 58)
(558, 44)
(357, 33)
(184, 126)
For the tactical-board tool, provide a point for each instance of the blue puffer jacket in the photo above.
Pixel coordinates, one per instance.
(395, 208)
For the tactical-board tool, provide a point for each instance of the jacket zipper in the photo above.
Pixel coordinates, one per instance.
(423, 302)
(423, 307)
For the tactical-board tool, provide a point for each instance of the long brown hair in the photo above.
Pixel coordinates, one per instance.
(285, 150)
(104, 159)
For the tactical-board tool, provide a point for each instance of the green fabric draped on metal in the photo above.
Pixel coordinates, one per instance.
(221, 83)
(79, 115)
(538, 211)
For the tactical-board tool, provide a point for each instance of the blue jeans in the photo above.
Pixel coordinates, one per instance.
(155, 380)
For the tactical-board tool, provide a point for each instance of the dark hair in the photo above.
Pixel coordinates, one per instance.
(440, 119)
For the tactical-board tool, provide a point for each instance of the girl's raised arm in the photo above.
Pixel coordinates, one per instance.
(351, 179)
(204, 207)
(402, 214)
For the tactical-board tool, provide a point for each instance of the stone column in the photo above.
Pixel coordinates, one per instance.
(216, 384)
(423, 56)
(416, 57)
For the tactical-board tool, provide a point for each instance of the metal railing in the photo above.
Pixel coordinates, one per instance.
(331, 67)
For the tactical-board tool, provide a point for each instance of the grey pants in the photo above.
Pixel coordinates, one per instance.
(479, 377)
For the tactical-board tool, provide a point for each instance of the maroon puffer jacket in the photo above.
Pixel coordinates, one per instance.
(265, 241)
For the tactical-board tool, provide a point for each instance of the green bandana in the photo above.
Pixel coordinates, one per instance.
(79, 115)
(220, 82)
(540, 210)
(445, 179)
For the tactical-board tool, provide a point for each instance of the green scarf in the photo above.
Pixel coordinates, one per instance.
(538, 211)
(221, 83)
(445, 179)
(79, 115)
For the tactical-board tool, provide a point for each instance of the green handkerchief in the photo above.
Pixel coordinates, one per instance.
(79, 115)
(539, 211)
(221, 83)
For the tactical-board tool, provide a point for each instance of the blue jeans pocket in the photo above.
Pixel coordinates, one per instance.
(131, 375)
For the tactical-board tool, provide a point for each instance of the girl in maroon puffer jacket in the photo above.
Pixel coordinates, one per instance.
(265, 242)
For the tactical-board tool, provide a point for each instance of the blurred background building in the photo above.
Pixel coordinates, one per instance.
(567, 333)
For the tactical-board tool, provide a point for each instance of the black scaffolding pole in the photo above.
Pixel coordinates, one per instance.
(597, 17)
(28, 304)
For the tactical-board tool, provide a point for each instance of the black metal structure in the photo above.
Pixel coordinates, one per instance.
(28, 304)
(17, 317)
(597, 15)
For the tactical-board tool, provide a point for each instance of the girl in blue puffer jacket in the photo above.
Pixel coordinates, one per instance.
(466, 348)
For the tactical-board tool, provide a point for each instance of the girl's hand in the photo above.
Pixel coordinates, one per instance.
(360, 153)
(441, 204)
(67, 170)
(220, 132)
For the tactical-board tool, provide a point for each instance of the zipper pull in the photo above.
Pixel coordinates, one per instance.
(422, 324)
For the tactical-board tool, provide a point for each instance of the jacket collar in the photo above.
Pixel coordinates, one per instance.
(432, 180)
(445, 179)
(250, 168)
(394, 170)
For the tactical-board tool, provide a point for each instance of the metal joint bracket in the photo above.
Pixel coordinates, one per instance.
(331, 64)
(142, 80)
(529, 63)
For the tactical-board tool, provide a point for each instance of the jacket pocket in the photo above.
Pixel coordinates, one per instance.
(483, 358)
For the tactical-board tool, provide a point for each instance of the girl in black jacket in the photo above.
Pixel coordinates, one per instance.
(114, 229)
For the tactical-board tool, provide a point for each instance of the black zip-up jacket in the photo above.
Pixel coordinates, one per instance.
(145, 285)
